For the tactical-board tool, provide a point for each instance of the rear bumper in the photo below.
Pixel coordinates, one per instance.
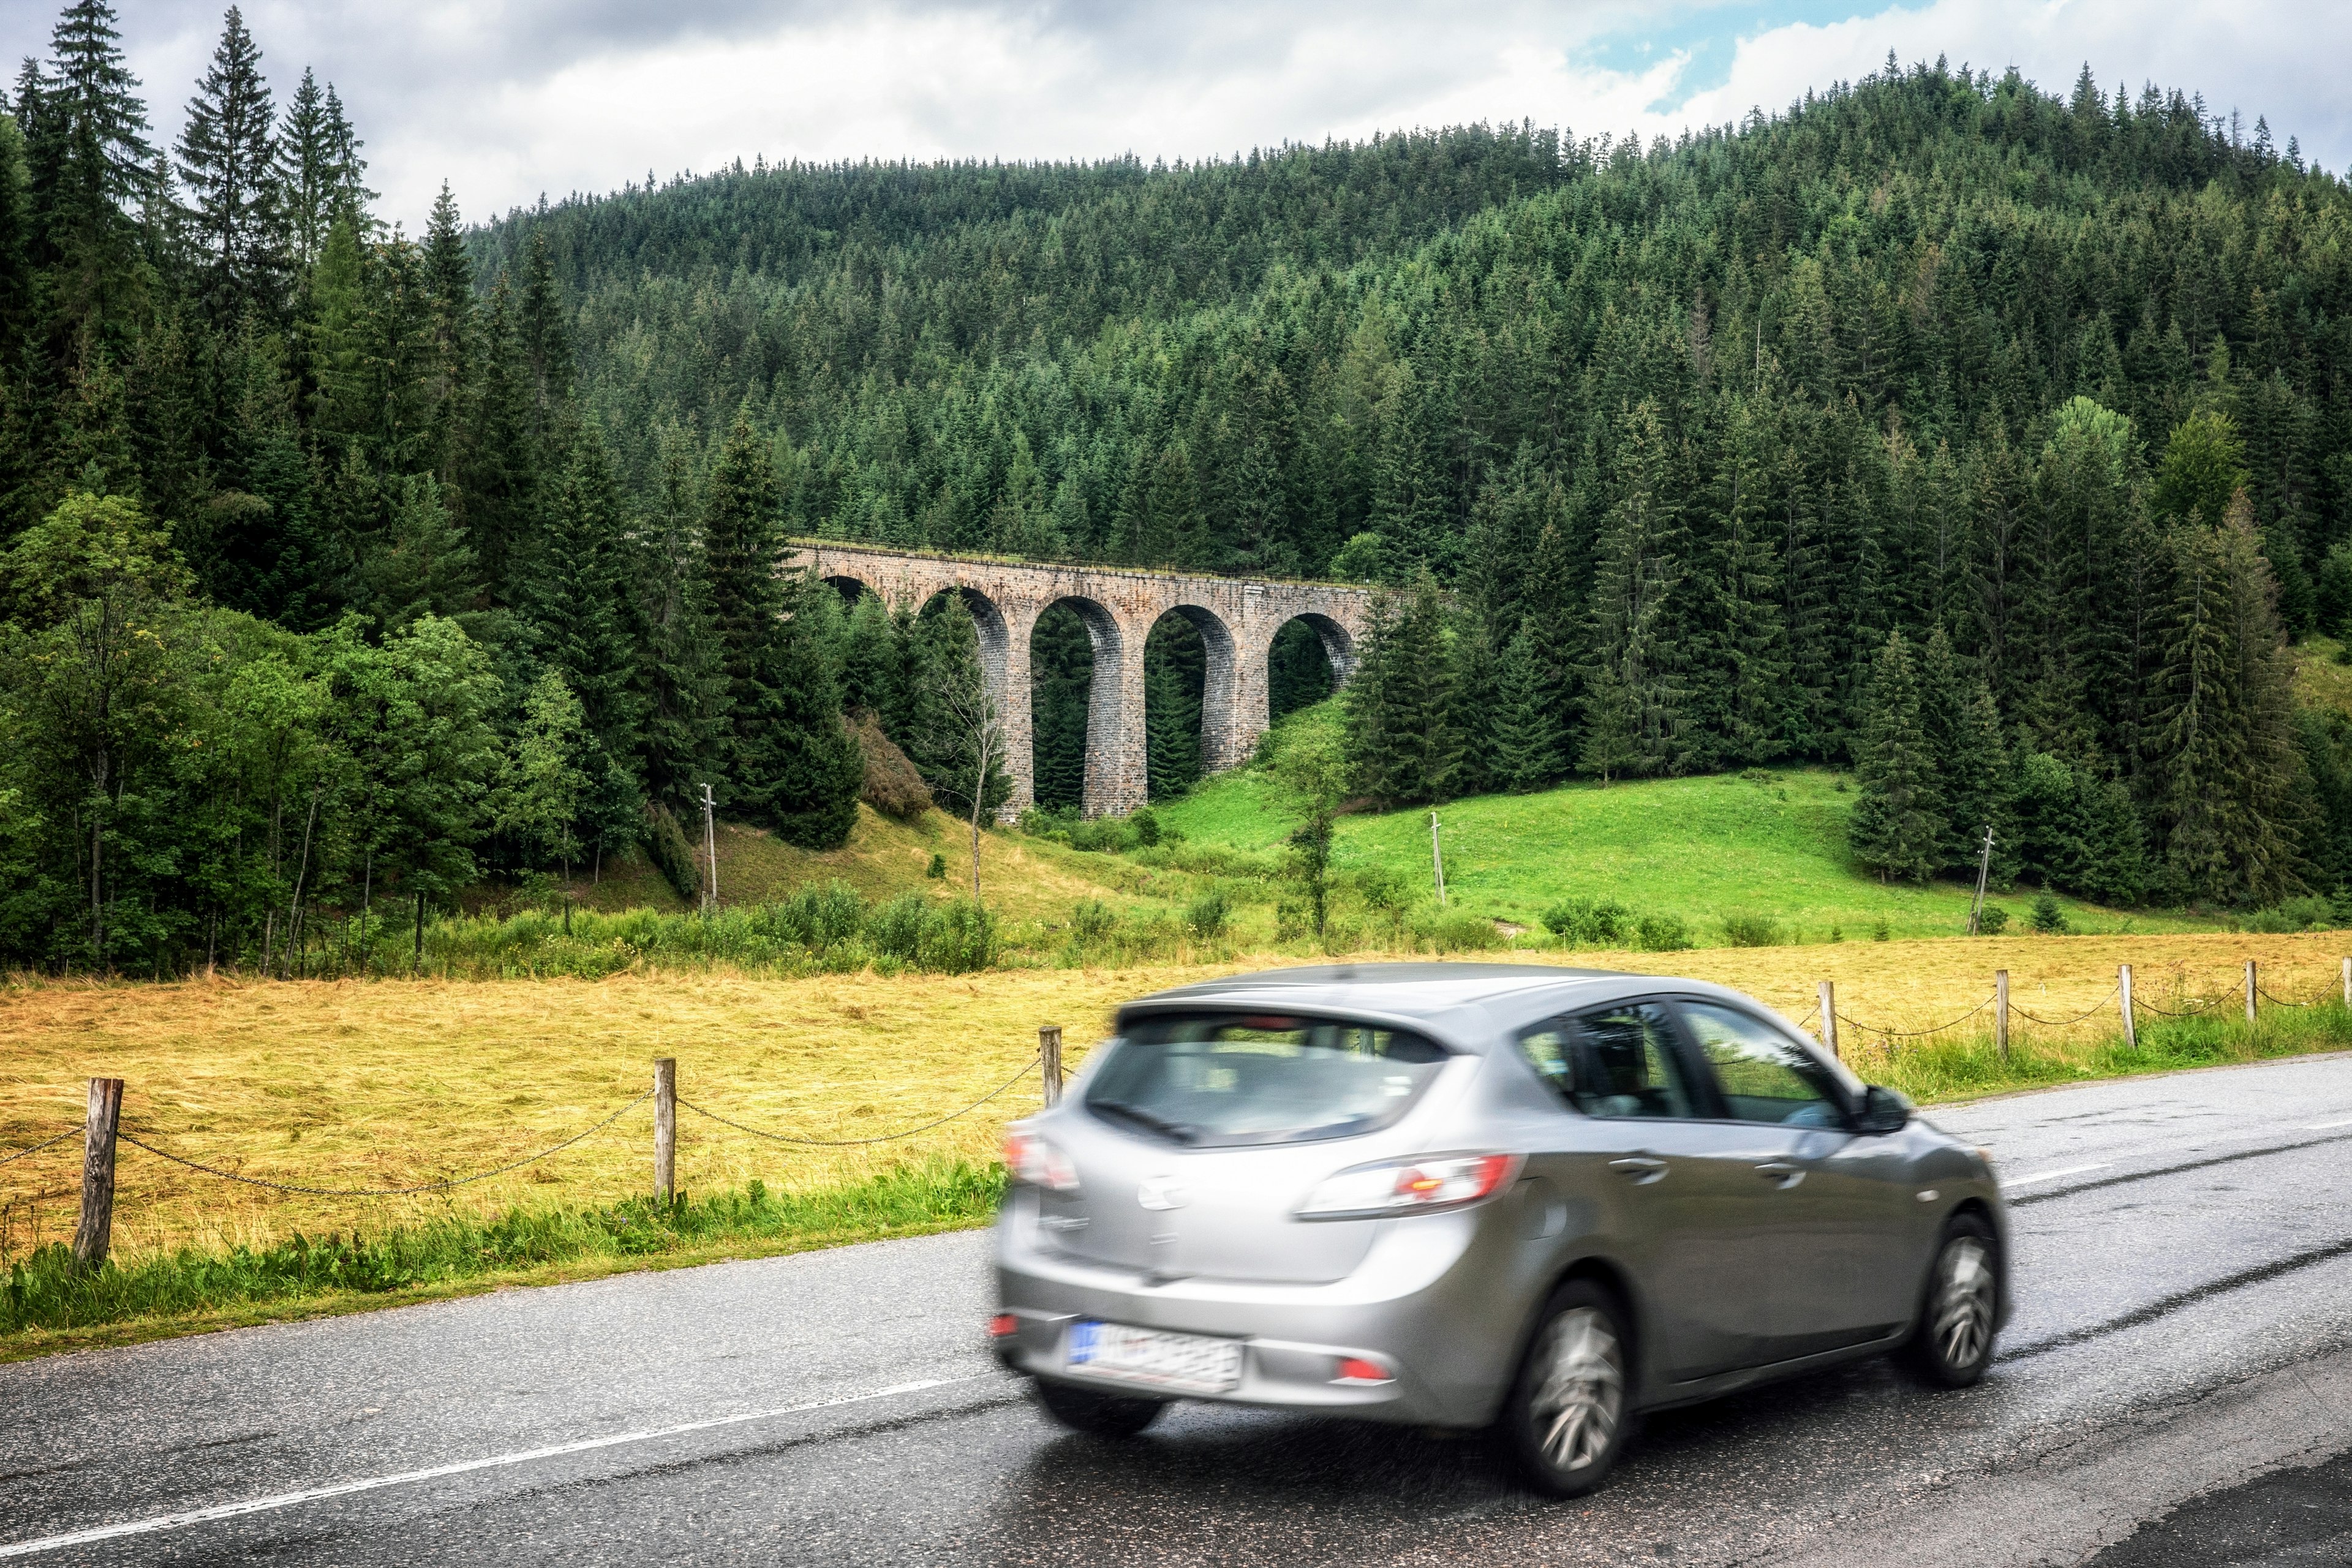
(1438, 1302)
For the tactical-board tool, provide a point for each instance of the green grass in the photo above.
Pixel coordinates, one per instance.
(45, 1295)
(1970, 1067)
(1768, 843)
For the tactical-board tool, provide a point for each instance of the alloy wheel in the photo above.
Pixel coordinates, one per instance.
(1962, 1314)
(1581, 1397)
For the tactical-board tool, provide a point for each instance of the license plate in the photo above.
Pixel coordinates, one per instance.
(1192, 1364)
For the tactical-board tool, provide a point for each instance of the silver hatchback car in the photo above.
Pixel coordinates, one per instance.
(1477, 1195)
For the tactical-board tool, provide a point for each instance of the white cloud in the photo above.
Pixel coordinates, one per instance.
(509, 101)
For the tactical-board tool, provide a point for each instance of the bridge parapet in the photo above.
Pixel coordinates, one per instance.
(1237, 619)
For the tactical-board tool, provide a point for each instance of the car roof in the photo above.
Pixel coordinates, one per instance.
(1460, 1002)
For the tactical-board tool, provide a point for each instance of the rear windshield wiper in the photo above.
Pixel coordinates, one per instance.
(1182, 1132)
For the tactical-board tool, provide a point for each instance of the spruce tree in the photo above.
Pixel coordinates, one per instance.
(306, 172)
(739, 544)
(2228, 765)
(1471, 704)
(579, 600)
(681, 684)
(1898, 825)
(1632, 639)
(869, 659)
(228, 162)
(1526, 732)
(796, 767)
(421, 566)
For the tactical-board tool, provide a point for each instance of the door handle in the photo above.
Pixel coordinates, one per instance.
(1640, 1167)
(1782, 1172)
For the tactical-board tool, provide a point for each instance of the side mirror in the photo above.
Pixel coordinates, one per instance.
(1882, 1111)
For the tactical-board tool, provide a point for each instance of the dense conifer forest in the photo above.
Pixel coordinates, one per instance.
(1992, 444)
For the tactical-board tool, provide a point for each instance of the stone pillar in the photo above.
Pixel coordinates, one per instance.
(1252, 709)
(1115, 742)
(1223, 741)
(1014, 720)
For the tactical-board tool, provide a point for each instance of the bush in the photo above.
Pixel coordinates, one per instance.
(1663, 934)
(891, 785)
(1208, 914)
(958, 937)
(1146, 822)
(938, 870)
(896, 928)
(819, 919)
(1091, 923)
(2047, 917)
(1992, 920)
(1881, 932)
(1456, 930)
(1591, 923)
(1751, 931)
(672, 853)
(2293, 915)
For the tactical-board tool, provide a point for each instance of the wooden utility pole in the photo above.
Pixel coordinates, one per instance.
(2000, 1013)
(1829, 1018)
(1437, 859)
(664, 1128)
(1049, 1056)
(1984, 868)
(2123, 982)
(710, 850)
(95, 1234)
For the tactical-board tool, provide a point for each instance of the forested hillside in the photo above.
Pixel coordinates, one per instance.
(1986, 441)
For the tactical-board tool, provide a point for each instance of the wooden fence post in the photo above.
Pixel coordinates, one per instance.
(664, 1128)
(1049, 1054)
(2131, 1037)
(2348, 983)
(2000, 1013)
(95, 1234)
(2249, 994)
(1829, 1017)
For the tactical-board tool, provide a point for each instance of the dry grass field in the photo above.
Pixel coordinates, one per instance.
(390, 1083)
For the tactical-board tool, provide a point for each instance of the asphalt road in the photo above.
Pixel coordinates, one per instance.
(2181, 1363)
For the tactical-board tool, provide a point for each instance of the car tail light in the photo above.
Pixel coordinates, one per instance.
(1355, 1369)
(1002, 1325)
(1410, 1186)
(1033, 1160)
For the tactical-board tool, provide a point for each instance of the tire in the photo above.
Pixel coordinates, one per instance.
(1094, 1414)
(1569, 1410)
(1952, 1345)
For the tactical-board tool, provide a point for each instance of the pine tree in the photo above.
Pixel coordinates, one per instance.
(1402, 743)
(1526, 732)
(2227, 764)
(1471, 704)
(739, 545)
(1735, 590)
(1971, 762)
(796, 767)
(540, 328)
(1635, 576)
(306, 172)
(681, 685)
(579, 600)
(422, 567)
(1171, 733)
(946, 699)
(1898, 824)
(228, 162)
(87, 161)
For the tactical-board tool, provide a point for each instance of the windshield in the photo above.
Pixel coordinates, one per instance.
(1236, 1078)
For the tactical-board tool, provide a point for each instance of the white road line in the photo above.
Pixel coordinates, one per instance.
(2324, 1126)
(2053, 1175)
(344, 1489)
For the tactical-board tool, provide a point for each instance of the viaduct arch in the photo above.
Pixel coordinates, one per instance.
(1238, 619)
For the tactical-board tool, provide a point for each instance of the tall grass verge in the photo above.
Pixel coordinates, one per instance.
(48, 1291)
(1968, 1065)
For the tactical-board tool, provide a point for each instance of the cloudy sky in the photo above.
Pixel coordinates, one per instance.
(508, 98)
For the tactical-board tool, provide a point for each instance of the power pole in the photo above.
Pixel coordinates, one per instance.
(1437, 859)
(710, 850)
(1984, 865)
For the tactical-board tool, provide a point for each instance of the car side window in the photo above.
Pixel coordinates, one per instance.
(1761, 1075)
(1612, 1061)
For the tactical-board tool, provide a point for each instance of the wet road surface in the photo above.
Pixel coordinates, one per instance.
(2183, 1336)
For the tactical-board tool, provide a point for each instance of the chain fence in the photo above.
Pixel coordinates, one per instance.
(44, 1143)
(685, 1104)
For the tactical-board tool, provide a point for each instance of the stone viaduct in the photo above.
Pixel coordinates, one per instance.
(1237, 620)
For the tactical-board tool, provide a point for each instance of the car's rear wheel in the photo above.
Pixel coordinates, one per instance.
(1568, 1414)
(1095, 1414)
(1952, 1346)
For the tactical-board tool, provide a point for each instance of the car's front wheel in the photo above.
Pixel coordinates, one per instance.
(1952, 1346)
(1568, 1414)
(1095, 1414)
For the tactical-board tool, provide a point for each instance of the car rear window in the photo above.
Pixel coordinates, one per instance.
(1222, 1079)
